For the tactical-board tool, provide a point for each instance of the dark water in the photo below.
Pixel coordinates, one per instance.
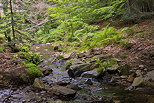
(95, 93)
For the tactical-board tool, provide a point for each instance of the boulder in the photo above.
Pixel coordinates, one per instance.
(62, 91)
(78, 69)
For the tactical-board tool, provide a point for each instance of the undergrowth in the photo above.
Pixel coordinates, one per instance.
(31, 61)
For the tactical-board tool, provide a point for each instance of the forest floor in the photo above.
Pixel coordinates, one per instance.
(138, 54)
(140, 49)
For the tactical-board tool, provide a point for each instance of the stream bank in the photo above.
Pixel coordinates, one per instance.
(78, 82)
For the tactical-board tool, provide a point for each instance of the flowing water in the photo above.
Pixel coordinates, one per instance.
(97, 92)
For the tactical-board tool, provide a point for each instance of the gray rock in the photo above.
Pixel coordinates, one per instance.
(64, 91)
(73, 86)
(91, 74)
(89, 82)
(38, 84)
(77, 70)
(150, 75)
(137, 81)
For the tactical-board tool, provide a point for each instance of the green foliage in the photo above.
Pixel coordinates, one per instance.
(30, 57)
(106, 63)
(31, 61)
(33, 69)
(2, 37)
(1, 50)
(99, 38)
(24, 47)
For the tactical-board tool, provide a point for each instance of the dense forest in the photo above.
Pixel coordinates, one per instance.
(77, 51)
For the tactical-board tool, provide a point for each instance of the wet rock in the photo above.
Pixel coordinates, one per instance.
(62, 83)
(71, 73)
(89, 82)
(62, 91)
(77, 70)
(46, 71)
(38, 84)
(91, 74)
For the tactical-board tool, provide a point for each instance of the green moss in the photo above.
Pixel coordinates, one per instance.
(69, 62)
(59, 57)
(106, 63)
(33, 69)
(30, 57)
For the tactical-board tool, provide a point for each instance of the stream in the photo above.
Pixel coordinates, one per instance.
(90, 90)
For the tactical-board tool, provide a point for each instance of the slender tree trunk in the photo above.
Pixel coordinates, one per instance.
(12, 21)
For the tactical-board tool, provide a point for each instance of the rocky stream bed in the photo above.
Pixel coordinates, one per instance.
(80, 83)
